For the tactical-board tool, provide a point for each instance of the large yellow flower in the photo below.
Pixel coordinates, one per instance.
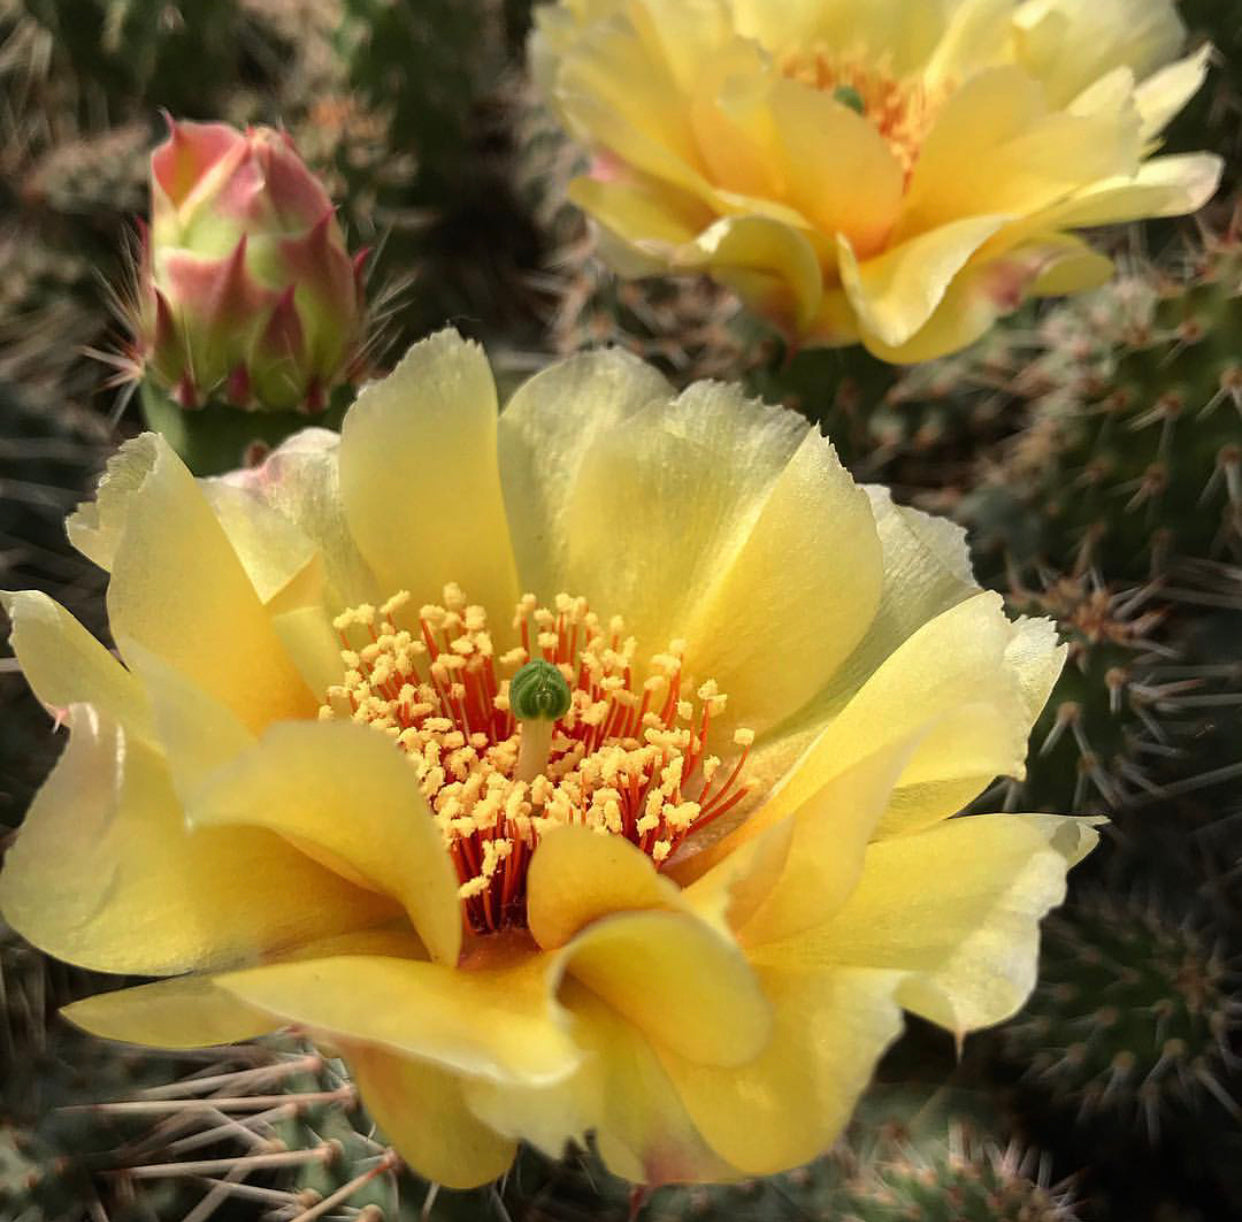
(898, 172)
(688, 918)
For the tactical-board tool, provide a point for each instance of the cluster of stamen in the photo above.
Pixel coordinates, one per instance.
(902, 108)
(628, 758)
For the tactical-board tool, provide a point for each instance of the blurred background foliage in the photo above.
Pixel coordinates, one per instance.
(1093, 450)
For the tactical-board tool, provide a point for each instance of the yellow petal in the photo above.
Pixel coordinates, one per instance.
(684, 36)
(768, 262)
(977, 33)
(615, 94)
(1161, 97)
(829, 842)
(1067, 44)
(272, 549)
(896, 293)
(342, 793)
(954, 683)
(671, 491)
(196, 733)
(499, 1023)
(95, 527)
(105, 873)
(781, 618)
(926, 571)
(192, 1012)
(1164, 186)
(1070, 266)
(642, 221)
(419, 477)
(620, 1093)
(733, 122)
(707, 498)
(179, 590)
(837, 168)
(905, 30)
(679, 981)
(65, 665)
(185, 1012)
(577, 876)
(789, 1104)
(956, 909)
(995, 149)
(300, 479)
(419, 1109)
(312, 644)
(546, 431)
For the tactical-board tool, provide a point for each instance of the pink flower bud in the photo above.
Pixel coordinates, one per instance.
(247, 293)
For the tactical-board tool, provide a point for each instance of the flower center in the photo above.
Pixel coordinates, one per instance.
(903, 109)
(627, 757)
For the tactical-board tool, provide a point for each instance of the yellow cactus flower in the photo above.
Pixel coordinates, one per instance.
(895, 172)
(659, 850)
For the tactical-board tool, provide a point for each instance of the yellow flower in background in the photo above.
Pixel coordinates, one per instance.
(895, 172)
(659, 851)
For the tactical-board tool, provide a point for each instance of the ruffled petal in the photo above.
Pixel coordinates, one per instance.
(956, 910)
(1066, 44)
(708, 499)
(789, 1104)
(643, 222)
(179, 590)
(958, 688)
(828, 846)
(577, 876)
(420, 1109)
(1161, 97)
(105, 874)
(897, 292)
(781, 618)
(682, 983)
(1164, 186)
(420, 480)
(65, 665)
(345, 795)
(926, 569)
(996, 149)
(196, 733)
(273, 551)
(683, 36)
(769, 262)
(546, 431)
(300, 479)
(977, 32)
(616, 95)
(192, 1012)
(905, 30)
(184, 1012)
(620, 1093)
(837, 168)
(499, 1023)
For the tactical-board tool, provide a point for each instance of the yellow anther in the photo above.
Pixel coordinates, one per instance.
(614, 756)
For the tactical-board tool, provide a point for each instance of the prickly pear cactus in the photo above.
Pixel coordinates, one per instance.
(1132, 1018)
(1133, 459)
(926, 1153)
(1112, 712)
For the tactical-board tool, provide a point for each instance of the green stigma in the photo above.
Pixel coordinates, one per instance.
(847, 95)
(538, 692)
